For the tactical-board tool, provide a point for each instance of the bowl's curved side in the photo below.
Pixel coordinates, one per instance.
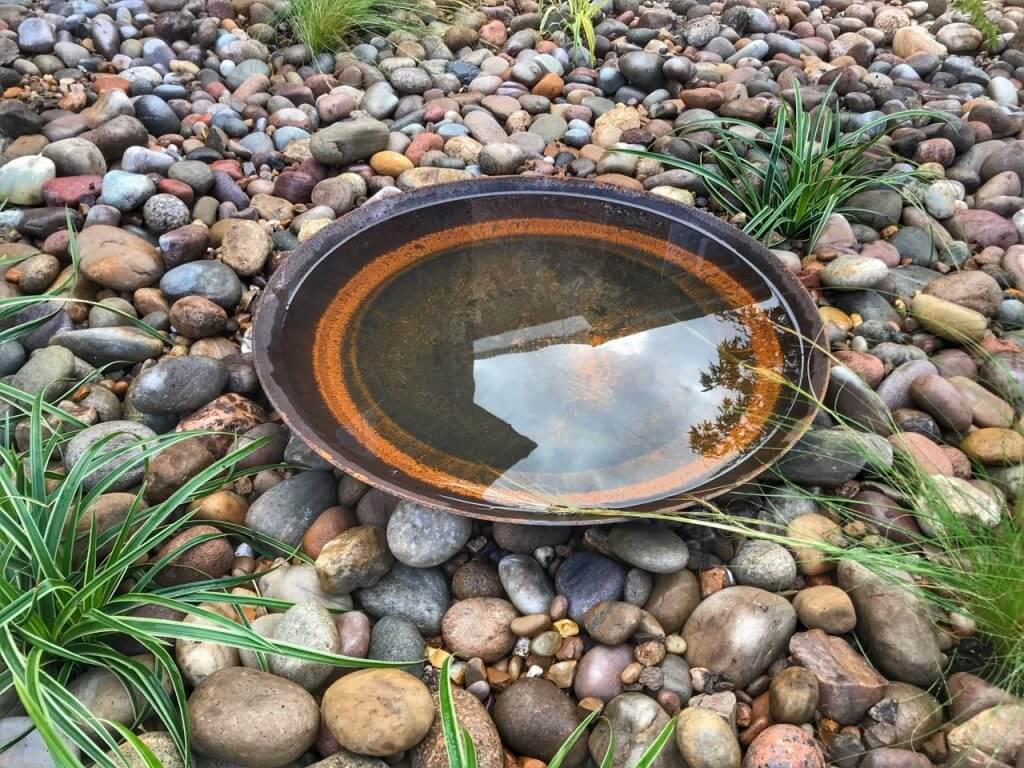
(285, 286)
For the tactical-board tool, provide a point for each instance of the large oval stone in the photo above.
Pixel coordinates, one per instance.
(378, 711)
(738, 632)
(252, 718)
(534, 718)
(118, 259)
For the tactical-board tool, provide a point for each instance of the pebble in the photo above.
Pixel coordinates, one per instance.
(311, 626)
(737, 632)
(178, 385)
(395, 638)
(765, 565)
(705, 740)
(289, 508)
(220, 708)
(894, 625)
(479, 628)
(825, 607)
(421, 536)
(598, 673)
(783, 745)
(793, 696)
(653, 548)
(534, 718)
(117, 435)
(586, 579)
(635, 720)
(357, 557)
(526, 584)
(378, 712)
(471, 714)
(418, 594)
(299, 583)
(22, 179)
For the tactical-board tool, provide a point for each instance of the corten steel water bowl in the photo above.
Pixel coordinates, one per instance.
(513, 348)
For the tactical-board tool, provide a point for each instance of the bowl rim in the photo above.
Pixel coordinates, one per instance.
(273, 301)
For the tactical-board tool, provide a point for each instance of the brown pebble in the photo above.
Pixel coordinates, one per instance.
(531, 625)
(559, 608)
(669, 701)
(631, 673)
(221, 507)
(329, 524)
(649, 653)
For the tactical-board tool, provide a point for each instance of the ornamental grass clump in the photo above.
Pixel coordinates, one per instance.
(949, 542)
(575, 20)
(75, 591)
(782, 182)
(324, 25)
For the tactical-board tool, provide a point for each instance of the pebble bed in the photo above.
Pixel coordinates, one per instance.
(194, 146)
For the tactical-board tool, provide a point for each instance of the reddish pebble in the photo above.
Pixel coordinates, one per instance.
(870, 368)
(939, 151)
(883, 251)
(231, 167)
(421, 144)
(110, 83)
(71, 190)
(783, 746)
(179, 189)
(321, 84)
(494, 34)
(433, 113)
(925, 453)
(702, 98)
(549, 86)
(190, 120)
(57, 244)
(958, 460)
(981, 131)
(215, 89)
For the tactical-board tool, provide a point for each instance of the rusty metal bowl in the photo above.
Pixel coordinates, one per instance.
(407, 318)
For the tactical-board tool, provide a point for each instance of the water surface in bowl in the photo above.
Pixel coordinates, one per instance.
(548, 367)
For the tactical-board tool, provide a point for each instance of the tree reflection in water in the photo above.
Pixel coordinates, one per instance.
(735, 369)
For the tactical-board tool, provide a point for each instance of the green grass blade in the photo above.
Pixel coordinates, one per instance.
(570, 740)
(655, 747)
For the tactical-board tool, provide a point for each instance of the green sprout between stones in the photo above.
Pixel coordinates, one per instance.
(575, 20)
(324, 25)
(975, 11)
(782, 182)
(20, 315)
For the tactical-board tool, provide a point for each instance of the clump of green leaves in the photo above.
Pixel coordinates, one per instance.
(70, 591)
(785, 180)
(574, 19)
(975, 11)
(324, 25)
